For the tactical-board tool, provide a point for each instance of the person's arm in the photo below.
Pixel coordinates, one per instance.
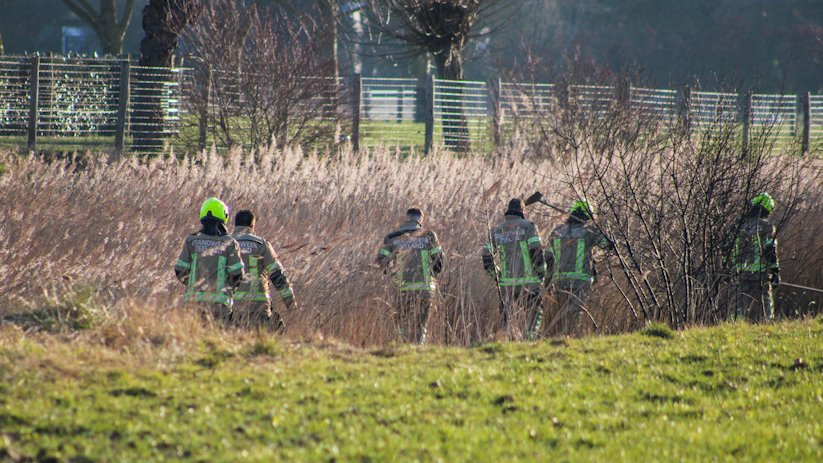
(277, 277)
(536, 253)
(234, 265)
(436, 255)
(385, 256)
(182, 268)
(602, 241)
(488, 253)
(548, 260)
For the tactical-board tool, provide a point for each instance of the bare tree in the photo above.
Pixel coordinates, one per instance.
(110, 29)
(261, 76)
(163, 23)
(670, 197)
(440, 28)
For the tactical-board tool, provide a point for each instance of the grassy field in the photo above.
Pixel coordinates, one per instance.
(406, 135)
(730, 393)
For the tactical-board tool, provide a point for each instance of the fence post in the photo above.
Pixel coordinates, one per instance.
(623, 92)
(746, 113)
(122, 107)
(357, 101)
(203, 114)
(34, 97)
(497, 111)
(429, 115)
(807, 121)
(685, 113)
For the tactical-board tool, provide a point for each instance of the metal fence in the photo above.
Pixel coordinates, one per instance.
(775, 116)
(521, 109)
(90, 102)
(655, 103)
(15, 84)
(813, 124)
(87, 102)
(391, 113)
(461, 115)
(710, 109)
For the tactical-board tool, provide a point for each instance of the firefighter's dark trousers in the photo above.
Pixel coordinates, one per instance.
(755, 299)
(411, 315)
(521, 309)
(571, 298)
(215, 313)
(257, 314)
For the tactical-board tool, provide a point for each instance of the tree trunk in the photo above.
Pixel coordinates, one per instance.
(109, 32)
(163, 22)
(449, 64)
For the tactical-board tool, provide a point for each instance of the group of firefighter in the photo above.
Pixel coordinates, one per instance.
(232, 276)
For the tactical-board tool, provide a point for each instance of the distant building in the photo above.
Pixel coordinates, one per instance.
(78, 40)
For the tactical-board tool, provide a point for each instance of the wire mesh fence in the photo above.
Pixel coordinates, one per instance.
(462, 115)
(155, 111)
(78, 100)
(592, 100)
(73, 102)
(226, 109)
(80, 103)
(658, 104)
(711, 109)
(775, 116)
(15, 83)
(814, 127)
(521, 108)
(392, 112)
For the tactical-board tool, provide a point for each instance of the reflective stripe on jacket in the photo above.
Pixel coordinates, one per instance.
(414, 256)
(569, 251)
(516, 247)
(755, 249)
(207, 265)
(262, 267)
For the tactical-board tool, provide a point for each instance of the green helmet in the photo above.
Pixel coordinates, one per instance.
(215, 208)
(583, 207)
(765, 201)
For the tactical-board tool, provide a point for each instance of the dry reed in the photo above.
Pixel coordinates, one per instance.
(117, 228)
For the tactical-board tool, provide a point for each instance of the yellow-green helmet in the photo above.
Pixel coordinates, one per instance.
(215, 208)
(765, 201)
(581, 207)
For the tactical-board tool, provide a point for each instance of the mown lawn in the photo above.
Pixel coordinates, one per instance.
(733, 393)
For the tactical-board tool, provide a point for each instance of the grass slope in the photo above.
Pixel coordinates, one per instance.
(729, 393)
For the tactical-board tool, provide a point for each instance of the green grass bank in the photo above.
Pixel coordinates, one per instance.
(730, 393)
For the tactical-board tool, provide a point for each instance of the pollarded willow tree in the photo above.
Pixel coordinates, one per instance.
(440, 28)
(164, 21)
(437, 29)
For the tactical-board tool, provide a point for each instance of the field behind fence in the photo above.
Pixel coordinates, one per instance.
(68, 103)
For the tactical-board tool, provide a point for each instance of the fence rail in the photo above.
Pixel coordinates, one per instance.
(88, 101)
(112, 102)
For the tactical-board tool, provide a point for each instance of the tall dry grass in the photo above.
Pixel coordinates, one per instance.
(118, 227)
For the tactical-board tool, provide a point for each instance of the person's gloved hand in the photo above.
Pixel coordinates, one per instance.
(775, 278)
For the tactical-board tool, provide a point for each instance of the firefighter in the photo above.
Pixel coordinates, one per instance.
(513, 256)
(756, 262)
(412, 254)
(253, 305)
(210, 264)
(569, 257)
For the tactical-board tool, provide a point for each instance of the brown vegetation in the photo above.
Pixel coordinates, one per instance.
(111, 232)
